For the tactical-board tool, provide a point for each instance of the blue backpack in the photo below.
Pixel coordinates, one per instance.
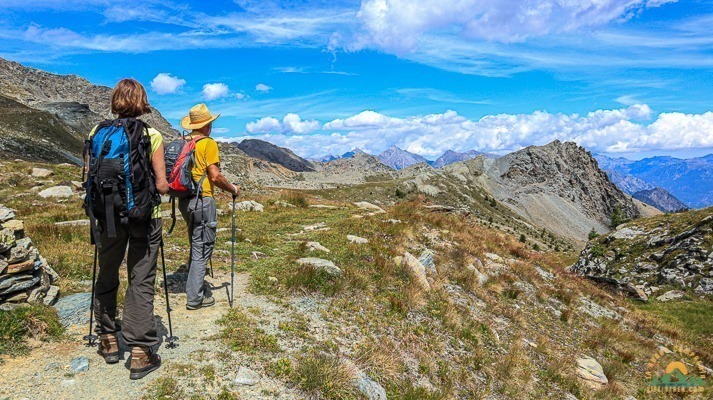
(120, 183)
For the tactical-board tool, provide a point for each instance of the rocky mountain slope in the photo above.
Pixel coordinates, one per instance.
(397, 158)
(71, 105)
(689, 180)
(450, 157)
(661, 199)
(278, 155)
(666, 252)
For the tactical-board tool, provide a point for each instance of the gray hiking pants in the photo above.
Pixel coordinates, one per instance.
(138, 327)
(202, 219)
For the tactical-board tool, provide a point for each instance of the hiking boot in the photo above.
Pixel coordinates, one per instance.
(143, 361)
(207, 302)
(109, 348)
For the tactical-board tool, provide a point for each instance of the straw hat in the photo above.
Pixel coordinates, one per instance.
(198, 117)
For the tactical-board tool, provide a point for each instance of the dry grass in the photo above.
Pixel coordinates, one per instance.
(325, 375)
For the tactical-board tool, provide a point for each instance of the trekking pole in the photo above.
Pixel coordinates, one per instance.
(232, 259)
(170, 339)
(91, 338)
(210, 260)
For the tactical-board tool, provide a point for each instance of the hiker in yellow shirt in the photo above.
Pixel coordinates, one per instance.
(199, 211)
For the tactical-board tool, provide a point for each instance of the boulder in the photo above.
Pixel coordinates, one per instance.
(15, 225)
(74, 309)
(671, 295)
(426, 259)
(481, 277)
(705, 286)
(20, 267)
(369, 388)
(6, 214)
(369, 207)
(589, 370)
(321, 265)
(51, 295)
(357, 239)
(249, 205)
(320, 226)
(312, 246)
(18, 283)
(284, 204)
(41, 173)
(416, 269)
(57, 191)
(247, 377)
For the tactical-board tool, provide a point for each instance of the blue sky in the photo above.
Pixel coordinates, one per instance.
(622, 77)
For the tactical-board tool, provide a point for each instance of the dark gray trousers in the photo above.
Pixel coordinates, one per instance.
(143, 240)
(202, 219)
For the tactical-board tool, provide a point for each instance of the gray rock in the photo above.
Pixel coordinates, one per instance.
(41, 173)
(369, 207)
(78, 222)
(369, 388)
(79, 364)
(16, 285)
(74, 309)
(357, 239)
(54, 276)
(6, 214)
(316, 227)
(595, 310)
(321, 265)
(51, 295)
(249, 205)
(284, 204)
(591, 372)
(312, 246)
(247, 377)
(57, 191)
(481, 277)
(671, 295)
(626, 233)
(705, 286)
(426, 259)
(7, 240)
(416, 269)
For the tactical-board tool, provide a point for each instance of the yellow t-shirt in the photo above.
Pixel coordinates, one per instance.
(156, 141)
(206, 154)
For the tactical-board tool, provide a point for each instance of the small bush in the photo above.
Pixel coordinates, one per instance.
(597, 250)
(297, 199)
(28, 321)
(523, 238)
(241, 333)
(323, 374)
(592, 234)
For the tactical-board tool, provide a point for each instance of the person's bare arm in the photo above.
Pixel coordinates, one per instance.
(159, 170)
(218, 179)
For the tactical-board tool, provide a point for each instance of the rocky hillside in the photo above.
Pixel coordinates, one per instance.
(661, 199)
(397, 158)
(278, 155)
(450, 157)
(666, 252)
(71, 105)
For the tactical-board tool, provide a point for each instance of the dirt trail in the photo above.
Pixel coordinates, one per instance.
(46, 372)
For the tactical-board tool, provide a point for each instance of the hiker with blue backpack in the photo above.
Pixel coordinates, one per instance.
(124, 162)
(194, 175)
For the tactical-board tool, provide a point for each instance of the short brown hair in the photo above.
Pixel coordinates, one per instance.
(129, 99)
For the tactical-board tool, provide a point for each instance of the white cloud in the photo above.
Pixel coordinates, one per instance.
(221, 130)
(291, 124)
(164, 83)
(607, 131)
(261, 87)
(397, 25)
(212, 91)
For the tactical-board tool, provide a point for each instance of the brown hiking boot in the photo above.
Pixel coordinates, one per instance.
(143, 361)
(109, 348)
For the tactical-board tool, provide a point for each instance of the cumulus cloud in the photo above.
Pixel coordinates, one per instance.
(607, 131)
(396, 25)
(164, 83)
(261, 87)
(290, 124)
(212, 91)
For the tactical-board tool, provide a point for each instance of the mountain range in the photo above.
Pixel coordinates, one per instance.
(688, 180)
(398, 158)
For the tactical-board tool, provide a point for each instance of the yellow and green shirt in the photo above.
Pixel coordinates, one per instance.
(156, 142)
(206, 154)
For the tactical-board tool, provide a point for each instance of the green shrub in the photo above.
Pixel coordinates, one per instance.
(35, 321)
(319, 373)
(592, 234)
(597, 250)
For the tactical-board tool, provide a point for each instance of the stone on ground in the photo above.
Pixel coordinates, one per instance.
(357, 239)
(249, 205)
(247, 377)
(57, 191)
(80, 364)
(591, 372)
(41, 173)
(369, 388)
(417, 270)
(74, 309)
(426, 258)
(481, 277)
(6, 214)
(284, 204)
(364, 205)
(321, 265)
(671, 295)
(312, 246)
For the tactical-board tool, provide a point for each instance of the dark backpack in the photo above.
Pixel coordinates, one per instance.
(120, 182)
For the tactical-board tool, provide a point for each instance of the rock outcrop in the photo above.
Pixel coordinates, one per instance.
(674, 251)
(25, 276)
(661, 199)
(274, 154)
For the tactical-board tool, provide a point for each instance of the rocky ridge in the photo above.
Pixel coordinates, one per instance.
(267, 151)
(669, 251)
(397, 158)
(661, 199)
